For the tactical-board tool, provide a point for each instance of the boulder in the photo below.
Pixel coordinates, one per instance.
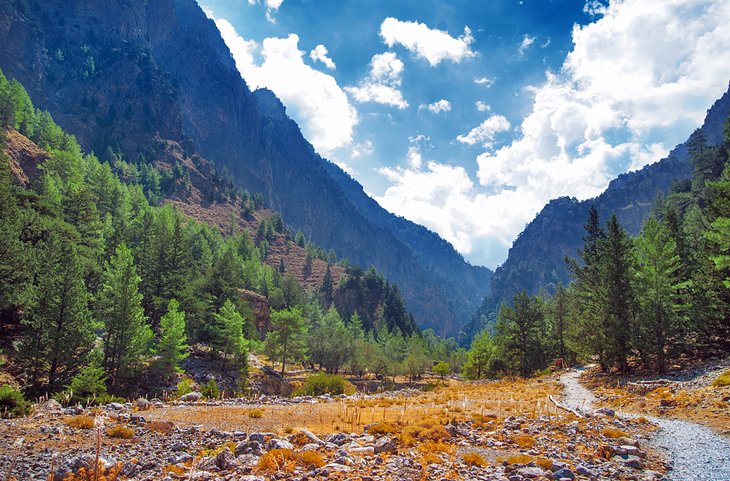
(385, 444)
(191, 397)
(531, 472)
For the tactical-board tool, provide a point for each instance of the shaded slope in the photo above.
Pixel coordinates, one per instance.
(133, 75)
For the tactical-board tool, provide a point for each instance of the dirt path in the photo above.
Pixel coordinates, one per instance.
(695, 452)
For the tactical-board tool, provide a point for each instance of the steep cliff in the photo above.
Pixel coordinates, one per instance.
(132, 75)
(536, 259)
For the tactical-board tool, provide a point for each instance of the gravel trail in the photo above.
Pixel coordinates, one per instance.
(694, 451)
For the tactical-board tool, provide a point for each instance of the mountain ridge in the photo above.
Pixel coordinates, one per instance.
(536, 258)
(133, 76)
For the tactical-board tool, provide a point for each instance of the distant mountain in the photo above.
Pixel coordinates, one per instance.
(134, 75)
(536, 259)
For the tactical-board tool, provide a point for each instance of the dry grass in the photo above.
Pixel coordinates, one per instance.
(162, 427)
(474, 459)
(517, 459)
(482, 403)
(80, 422)
(524, 441)
(722, 380)
(278, 460)
(256, 413)
(111, 474)
(120, 431)
(614, 433)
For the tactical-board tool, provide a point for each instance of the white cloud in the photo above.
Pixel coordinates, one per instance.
(486, 81)
(382, 85)
(482, 106)
(362, 148)
(485, 132)
(271, 7)
(314, 99)
(436, 107)
(527, 41)
(319, 54)
(638, 80)
(432, 44)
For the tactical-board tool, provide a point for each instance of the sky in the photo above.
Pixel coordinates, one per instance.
(469, 116)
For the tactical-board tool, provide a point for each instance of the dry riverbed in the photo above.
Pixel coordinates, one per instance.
(507, 430)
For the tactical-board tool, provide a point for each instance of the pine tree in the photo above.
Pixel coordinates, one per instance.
(127, 335)
(326, 290)
(657, 277)
(172, 347)
(229, 338)
(479, 356)
(619, 302)
(59, 329)
(287, 337)
(519, 333)
(560, 320)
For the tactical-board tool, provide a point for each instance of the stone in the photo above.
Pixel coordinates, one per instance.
(248, 447)
(633, 462)
(607, 412)
(385, 445)
(142, 404)
(191, 397)
(247, 460)
(226, 460)
(207, 463)
(51, 406)
(563, 474)
(624, 441)
(116, 406)
(279, 444)
(86, 461)
(530, 472)
(583, 471)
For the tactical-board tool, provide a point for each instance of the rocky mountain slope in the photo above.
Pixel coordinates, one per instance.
(133, 75)
(536, 259)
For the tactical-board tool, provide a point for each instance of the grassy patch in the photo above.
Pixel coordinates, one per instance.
(80, 422)
(474, 459)
(722, 380)
(286, 460)
(321, 383)
(121, 432)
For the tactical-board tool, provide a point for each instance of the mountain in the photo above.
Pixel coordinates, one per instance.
(536, 258)
(135, 75)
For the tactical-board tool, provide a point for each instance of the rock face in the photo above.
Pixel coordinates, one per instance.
(536, 259)
(260, 309)
(130, 75)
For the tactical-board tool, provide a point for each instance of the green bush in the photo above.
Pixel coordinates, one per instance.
(89, 385)
(321, 383)
(184, 386)
(12, 402)
(210, 390)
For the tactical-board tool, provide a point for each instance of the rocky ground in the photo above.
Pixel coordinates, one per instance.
(542, 442)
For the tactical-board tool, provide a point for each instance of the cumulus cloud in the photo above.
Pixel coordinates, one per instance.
(362, 148)
(484, 133)
(527, 41)
(482, 106)
(313, 98)
(486, 81)
(431, 44)
(382, 85)
(436, 107)
(637, 81)
(320, 54)
(271, 7)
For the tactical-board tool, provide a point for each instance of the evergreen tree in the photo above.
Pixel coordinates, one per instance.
(286, 340)
(519, 331)
(326, 290)
(59, 329)
(229, 337)
(172, 347)
(560, 320)
(619, 303)
(127, 335)
(657, 277)
(479, 356)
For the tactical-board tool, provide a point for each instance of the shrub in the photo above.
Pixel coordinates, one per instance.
(380, 429)
(184, 386)
(722, 380)
(210, 390)
(89, 385)
(119, 431)
(436, 447)
(614, 433)
(287, 459)
(80, 422)
(524, 441)
(474, 459)
(12, 402)
(322, 383)
(255, 414)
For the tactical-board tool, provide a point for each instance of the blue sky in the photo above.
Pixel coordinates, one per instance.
(468, 116)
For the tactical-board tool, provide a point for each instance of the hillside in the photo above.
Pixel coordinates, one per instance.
(536, 259)
(135, 76)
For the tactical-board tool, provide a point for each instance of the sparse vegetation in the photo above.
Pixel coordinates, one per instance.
(321, 383)
(120, 431)
(722, 380)
(12, 402)
(474, 459)
(80, 422)
(282, 460)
